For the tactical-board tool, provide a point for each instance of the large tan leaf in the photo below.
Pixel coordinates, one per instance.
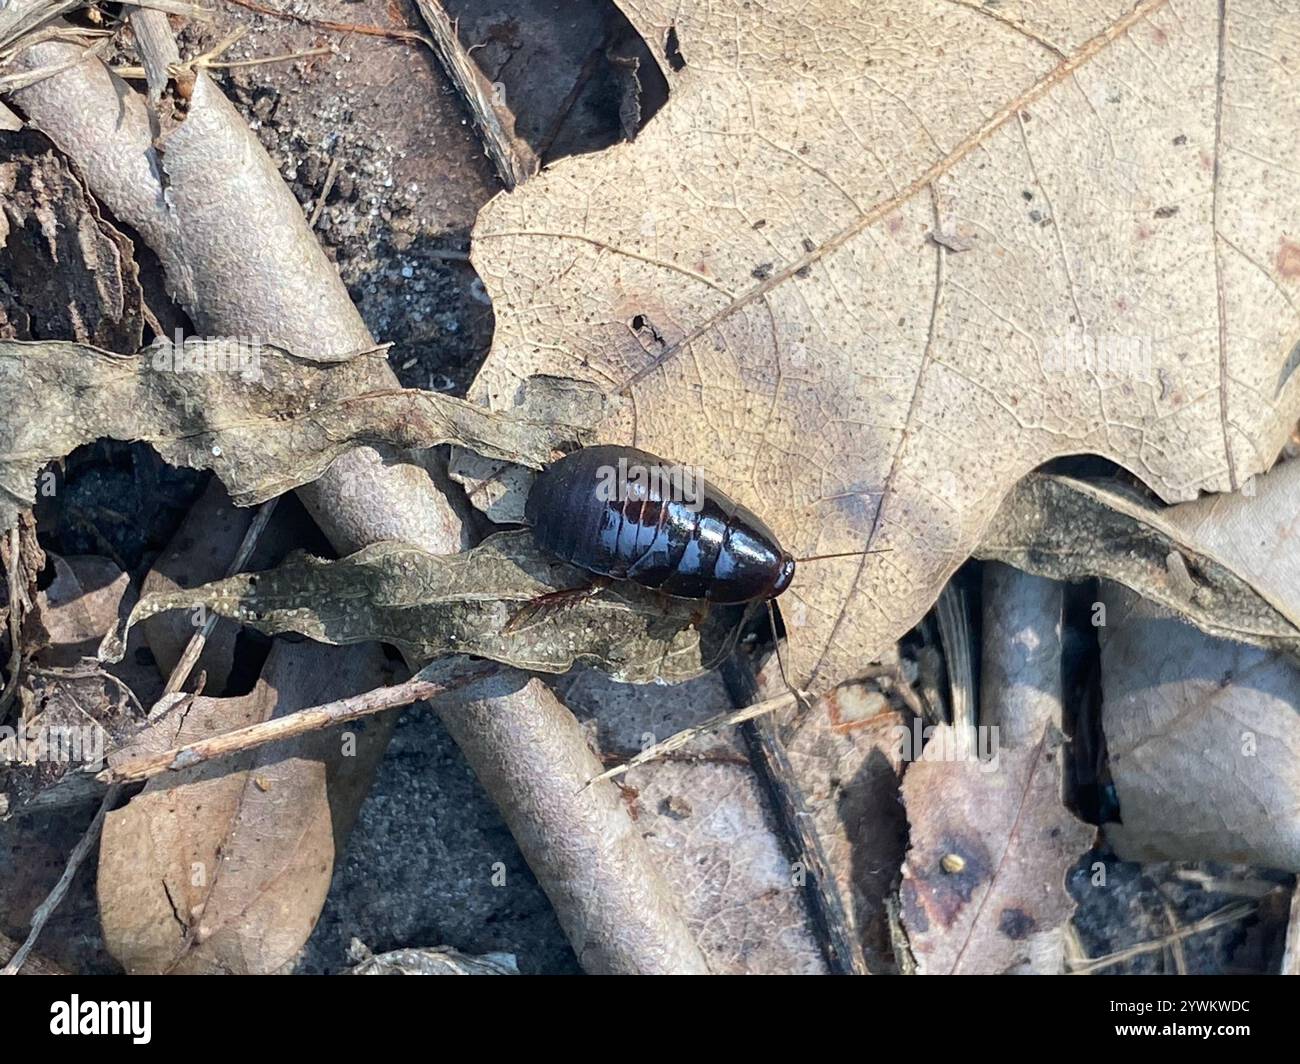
(770, 270)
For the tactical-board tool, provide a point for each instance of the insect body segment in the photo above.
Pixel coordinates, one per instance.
(621, 512)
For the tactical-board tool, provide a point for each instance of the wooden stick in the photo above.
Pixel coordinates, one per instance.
(1291, 954)
(16, 595)
(432, 680)
(681, 738)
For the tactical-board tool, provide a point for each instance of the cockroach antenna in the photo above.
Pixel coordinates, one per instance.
(843, 554)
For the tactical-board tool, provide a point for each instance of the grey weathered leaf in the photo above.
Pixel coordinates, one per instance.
(429, 605)
(706, 818)
(500, 489)
(264, 420)
(1070, 529)
(1204, 733)
(1203, 741)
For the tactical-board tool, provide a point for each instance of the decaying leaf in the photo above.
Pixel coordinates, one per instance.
(1203, 742)
(60, 261)
(1203, 734)
(429, 605)
(984, 881)
(73, 709)
(500, 489)
(757, 271)
(846, 758)
(225, 867)
(1072, 529)
(80, 605)
(264, 420)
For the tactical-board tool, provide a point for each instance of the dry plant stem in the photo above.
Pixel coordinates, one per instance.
(679, 739)
(16, 595)
(1020, 686)
(35, 963)
(194, 649)
(514, 159)
(435, 680)
(618, 911)
(79, 853)
(535, 765)
(330, 24)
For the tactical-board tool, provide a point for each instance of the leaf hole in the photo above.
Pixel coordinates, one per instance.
(673, 50)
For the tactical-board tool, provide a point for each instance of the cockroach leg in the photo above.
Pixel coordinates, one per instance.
(543, 606)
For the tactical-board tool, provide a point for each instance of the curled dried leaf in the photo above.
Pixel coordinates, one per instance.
(482, 602)
(263, 419)
(1070, 529)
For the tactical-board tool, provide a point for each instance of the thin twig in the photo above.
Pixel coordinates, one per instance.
(432, 680)
(46, 909)
(827, 911)
(1291, 954)
(330, 175)
(681, 738)
(94, 671)
(28, 78)
(36, 964)
(199, 639)
(338, 27)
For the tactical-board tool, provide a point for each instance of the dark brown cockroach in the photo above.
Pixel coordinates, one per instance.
(626, 514)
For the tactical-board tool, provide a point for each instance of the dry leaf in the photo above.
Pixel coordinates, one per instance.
(225, 868)
(756, 270)
(984, 880)
(264, 420)
(1203, 734)
(1071, 529)
(74, 709)
(81, 604)
(707, 823)
(428, 605)
(846, 758)
(1203, 742)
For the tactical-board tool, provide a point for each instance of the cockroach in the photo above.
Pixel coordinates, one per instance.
(623, 513)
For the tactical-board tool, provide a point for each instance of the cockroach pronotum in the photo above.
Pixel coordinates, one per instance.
(626, 514)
